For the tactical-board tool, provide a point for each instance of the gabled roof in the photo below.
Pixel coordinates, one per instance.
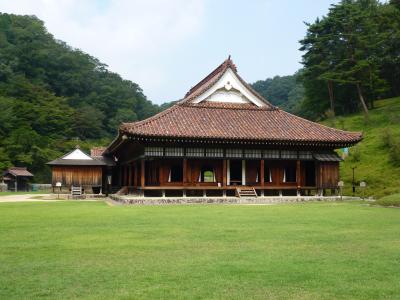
(226, 121)
(215, 76)
(79, 158)
(18, 171)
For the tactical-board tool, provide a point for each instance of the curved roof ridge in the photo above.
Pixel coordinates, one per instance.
(206, 83)
(150, 119)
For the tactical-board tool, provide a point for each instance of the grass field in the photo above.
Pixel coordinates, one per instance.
(299, 251)
(391, 200)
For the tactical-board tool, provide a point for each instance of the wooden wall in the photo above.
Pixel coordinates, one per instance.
(77, 175)
(328, 174)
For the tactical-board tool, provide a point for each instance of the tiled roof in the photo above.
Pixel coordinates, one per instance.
(236, 122)
(97, 151)
(19, 171)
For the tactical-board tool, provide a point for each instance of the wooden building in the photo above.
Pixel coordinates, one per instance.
(17, 179)
(79, 169)
(223, 138)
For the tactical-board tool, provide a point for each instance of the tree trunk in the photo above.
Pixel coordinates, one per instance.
(361, 97)
(331, 98)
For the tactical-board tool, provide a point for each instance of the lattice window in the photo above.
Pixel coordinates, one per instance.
(213, 152)
(236, 153)
(271, 154)
(153, 151)
(305, 155)
(252, 153)
(195, 152)
(289, 154)
(173, 151)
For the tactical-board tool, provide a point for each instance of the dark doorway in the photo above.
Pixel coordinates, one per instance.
(235, 172)
(176, 173)
(310, 173)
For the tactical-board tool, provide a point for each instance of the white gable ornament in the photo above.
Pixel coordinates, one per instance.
(77, 154)
(229, 89)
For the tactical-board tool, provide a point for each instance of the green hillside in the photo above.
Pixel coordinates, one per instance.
(377, 157)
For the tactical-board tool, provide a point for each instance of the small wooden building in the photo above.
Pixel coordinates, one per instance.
(79, 169)
(17, 179)
(223, 138)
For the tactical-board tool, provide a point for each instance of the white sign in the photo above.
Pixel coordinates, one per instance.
(340, 184)
(363, 184)
(58, 184)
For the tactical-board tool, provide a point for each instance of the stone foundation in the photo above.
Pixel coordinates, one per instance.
(221, 200)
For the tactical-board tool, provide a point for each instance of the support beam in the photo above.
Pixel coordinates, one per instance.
(224, 175)
(262, 177)
(243, 172)
(298, 174)
(228, 172)
(129, 175)
(135, 175)
(184, 172)
(142, 173)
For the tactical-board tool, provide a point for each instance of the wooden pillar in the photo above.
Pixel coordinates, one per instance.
(125, 176)
(184, 171)
(120, 176)
(243, 172)
(135, 175)
(262, 177)
(142, 173)
(298, 174)
(224, 173)
(129, 175)
(228, 172)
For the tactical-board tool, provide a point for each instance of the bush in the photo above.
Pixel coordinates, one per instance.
(392, 200)
(355, 154)
(392, 142)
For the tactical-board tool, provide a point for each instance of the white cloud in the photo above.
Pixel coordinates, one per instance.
(133, 37)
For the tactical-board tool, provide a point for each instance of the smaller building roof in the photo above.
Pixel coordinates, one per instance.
(79, 158)
(18, 171)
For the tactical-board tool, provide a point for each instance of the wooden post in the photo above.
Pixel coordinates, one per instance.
(228, 172)
(262, 177)
(224, 173)
(135, 175)
(243, 172)
(298, 174)
(184, 171)
(129, 175)
(125, 176)
(142, 173)
(298, 177)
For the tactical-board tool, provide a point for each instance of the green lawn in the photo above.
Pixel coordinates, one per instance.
(298, 251)
(392, 200)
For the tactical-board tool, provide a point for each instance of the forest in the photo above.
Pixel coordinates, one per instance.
(53, 97)
(351, 57)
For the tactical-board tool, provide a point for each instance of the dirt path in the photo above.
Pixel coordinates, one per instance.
(24, 198)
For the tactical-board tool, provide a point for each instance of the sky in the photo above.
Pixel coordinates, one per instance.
(168, 46)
